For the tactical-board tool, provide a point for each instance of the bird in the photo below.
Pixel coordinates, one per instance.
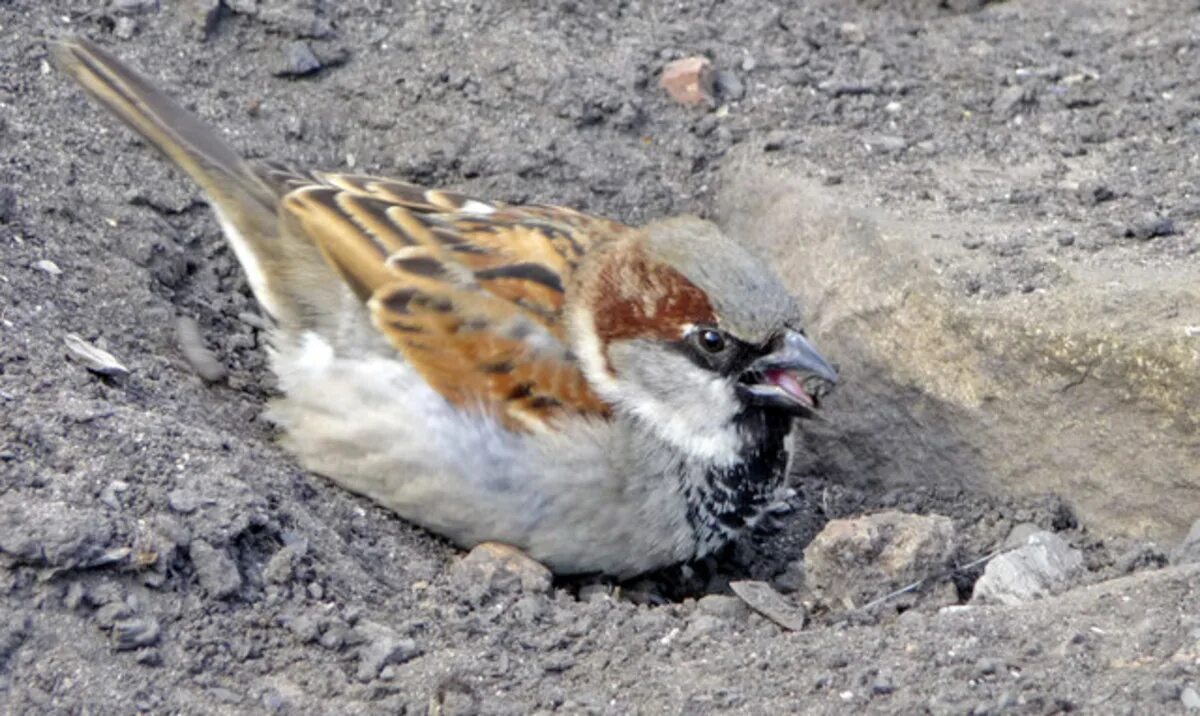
(599, 397)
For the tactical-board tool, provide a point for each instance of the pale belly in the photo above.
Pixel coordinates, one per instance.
(373, 426)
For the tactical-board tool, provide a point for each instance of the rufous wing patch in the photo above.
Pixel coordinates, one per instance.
(471, 293)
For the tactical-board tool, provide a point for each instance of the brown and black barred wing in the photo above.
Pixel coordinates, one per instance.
(470, 292)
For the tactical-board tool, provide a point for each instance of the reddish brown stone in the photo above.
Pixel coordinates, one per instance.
(688, 81)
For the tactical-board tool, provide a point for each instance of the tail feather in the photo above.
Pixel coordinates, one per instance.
(245, 202)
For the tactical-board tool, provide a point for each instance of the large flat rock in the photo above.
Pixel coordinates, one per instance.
(1089, 388)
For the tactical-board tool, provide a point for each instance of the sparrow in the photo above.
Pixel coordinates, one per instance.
(602, 397)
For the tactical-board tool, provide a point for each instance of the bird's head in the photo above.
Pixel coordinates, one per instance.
(688, 331)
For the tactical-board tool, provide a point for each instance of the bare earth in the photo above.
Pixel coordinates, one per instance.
(158, 551)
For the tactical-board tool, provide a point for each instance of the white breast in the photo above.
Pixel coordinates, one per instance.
(570, 498)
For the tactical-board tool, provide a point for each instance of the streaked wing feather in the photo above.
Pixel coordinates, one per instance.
(470, 292)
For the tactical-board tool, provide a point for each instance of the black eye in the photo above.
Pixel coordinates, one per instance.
(711, 341)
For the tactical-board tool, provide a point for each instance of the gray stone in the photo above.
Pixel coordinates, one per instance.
(727, 86)
(135, 633)
(133, 7)
(94, 358)
(1044, 566)
(885, 143)
(298, 60)
(760, 597)
(1190, 698)
(1009, 101)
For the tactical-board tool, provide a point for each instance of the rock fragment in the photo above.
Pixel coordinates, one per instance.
(1010, 101)
(1150, 226)
(1045, 565)
(854, 560)
(97, 360)
(48, 266)
(496, 568)
(762, 598)
(135, 633)
(689, 80)
(127, 8)
(299, 60)
(727, 86)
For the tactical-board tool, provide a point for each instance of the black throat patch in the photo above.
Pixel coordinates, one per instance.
(725, 501)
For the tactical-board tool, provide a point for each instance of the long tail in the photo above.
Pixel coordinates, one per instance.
(245, 202)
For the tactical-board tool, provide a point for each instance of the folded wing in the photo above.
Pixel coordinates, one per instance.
(470, 292)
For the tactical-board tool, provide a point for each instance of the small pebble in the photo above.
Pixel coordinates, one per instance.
(48, 266)
(885, 143)
(149, 657)
(1190, 698)
(1009, 101)
(108, 615)
(125, 28)
(298, 60)
(1092, 193)
(74, 596)
(97, 360)
(110, 495)
(882, 686)
(1149, 227)
(689, 80)
(133, 7)
(760, 597)
(135, 633)
(727, 86)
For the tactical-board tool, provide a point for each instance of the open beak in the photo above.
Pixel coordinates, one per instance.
(793, 377)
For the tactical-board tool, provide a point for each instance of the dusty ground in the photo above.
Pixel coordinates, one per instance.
(160, 553)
